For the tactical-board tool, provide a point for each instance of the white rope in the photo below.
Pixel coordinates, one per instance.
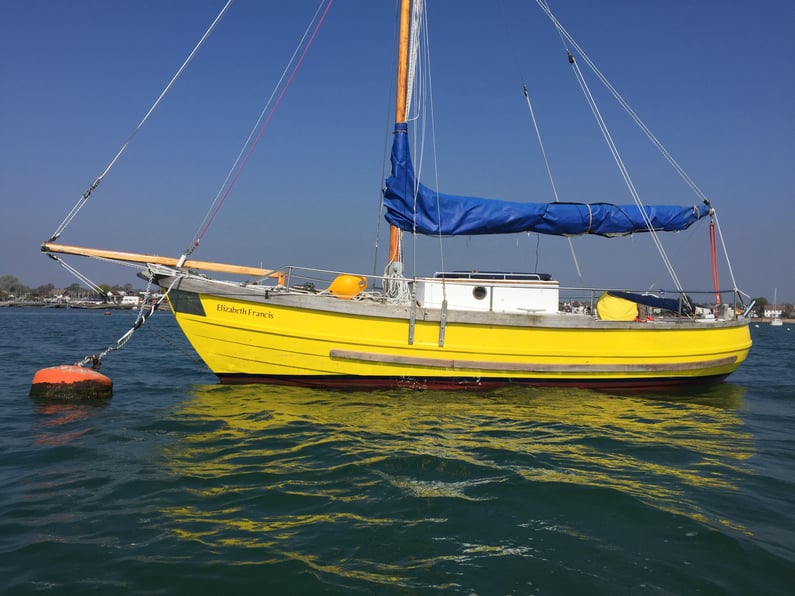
(725, 253)
(551, 177)
(625, 174)
(611, 143)
(256, 127)
(79, 276)
(86, 195)
(437, 181)
(396, 287)
(621, 101)
(417, 22)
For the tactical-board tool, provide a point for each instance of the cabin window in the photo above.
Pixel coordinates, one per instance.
(480, 293)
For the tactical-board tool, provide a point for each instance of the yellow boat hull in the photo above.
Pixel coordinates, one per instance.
(318, 340)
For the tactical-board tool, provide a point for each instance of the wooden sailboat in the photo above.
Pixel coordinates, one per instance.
(449, 330)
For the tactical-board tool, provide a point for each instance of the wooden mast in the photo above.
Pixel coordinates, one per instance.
(400, 104)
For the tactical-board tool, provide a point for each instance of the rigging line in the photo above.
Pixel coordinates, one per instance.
(606, 133)
(713, 253)
(256, 141)
(551, 180)
(543, 150)
(545, 6)
(541, 143)
(725, 253)
(656, 142)
(388, 134)
(254, 128)
(396, 288)
(623, 170)
(418, 16)
(421, 72)
(416, 112)
(681, 247)
(432, 116)
(86, 195)
(78, 275)
(647, 131)
(429, 116)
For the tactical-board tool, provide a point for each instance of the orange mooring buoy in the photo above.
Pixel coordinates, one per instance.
(70, 382)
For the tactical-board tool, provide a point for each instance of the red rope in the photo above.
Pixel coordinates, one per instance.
(264, 125)
(714, 251)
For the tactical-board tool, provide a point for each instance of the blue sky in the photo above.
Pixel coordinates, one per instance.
(712, 79)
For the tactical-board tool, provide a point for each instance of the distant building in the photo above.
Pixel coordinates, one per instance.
(773, 310)
(131, 301)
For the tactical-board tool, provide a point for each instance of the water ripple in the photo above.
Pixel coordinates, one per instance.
(178, 488)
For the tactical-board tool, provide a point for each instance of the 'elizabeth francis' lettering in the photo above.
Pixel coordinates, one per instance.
(244, 311)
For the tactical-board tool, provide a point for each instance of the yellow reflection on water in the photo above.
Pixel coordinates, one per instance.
(338, 455)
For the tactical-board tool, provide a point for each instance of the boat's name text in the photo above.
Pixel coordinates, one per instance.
(244, 311)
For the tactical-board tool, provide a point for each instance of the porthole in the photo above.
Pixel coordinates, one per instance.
(479, 293)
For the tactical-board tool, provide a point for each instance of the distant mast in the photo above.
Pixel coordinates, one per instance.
(400, 106)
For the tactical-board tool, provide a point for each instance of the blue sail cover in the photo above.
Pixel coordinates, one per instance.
(427, 212)
(684, 303)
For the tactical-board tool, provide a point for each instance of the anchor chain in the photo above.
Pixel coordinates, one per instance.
(144, 313)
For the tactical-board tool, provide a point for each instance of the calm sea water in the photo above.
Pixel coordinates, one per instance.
(178, 485)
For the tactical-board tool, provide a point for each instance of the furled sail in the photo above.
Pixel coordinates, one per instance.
(414, 207)
(683, 303)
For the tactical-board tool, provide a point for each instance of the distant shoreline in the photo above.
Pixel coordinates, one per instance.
(164, 307)
(77, 306)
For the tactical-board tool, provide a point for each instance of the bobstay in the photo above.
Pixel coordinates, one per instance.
(70, 382)
(347, 286)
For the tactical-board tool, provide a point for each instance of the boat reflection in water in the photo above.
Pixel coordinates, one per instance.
(285, 469)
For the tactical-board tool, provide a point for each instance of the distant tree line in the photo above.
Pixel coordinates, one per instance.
(10, 286)
(787, 310)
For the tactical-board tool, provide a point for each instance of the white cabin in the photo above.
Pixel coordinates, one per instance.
(533, 293)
